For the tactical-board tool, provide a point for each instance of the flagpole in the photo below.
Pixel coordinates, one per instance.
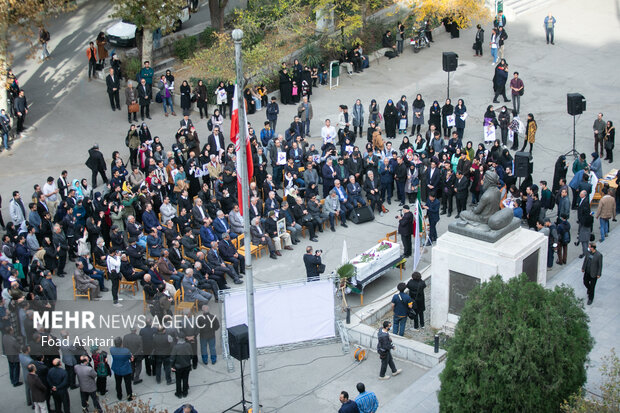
(242, 166)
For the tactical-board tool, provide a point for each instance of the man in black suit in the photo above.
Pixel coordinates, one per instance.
(329, 175)
(214, 259)
(591, 269)
(256, 208)
(113, 84)
(96, 164)
(372, 187)
(432, 177)
(312, 262)
(269, 186)
(229, 253)
(145, 94)
(260, 237)
(460, 190)
(216, 142)
(405, 229)
(448, 192)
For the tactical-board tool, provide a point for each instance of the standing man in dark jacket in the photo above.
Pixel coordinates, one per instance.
(432, 212)
(20, 106)
(162, 343)
(405, 229)
(312, 262)
(87, 378)
(145, 94)
(133, 342)
(37, 389)
(113, 84)
(96, 164)
(479, 41)
(384, 348)
(272, 113)
(58, 381)
(10, 347)
(181, 362)
(210, 324)
(461, 187)
(591, 269)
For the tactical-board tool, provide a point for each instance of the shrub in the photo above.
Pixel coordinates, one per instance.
(518, 347)
(184, 48)
(312, 55)
(207, 37)
(131, 67)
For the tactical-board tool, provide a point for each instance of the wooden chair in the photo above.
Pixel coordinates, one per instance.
(598, 194)
(390, 236)
(180, 305)
(133, 285)
(239, 245)
(185, 257)
(99, 267)
(145, 302)
(76, 294)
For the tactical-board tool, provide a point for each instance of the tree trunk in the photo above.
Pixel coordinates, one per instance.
(147, 46)
(4, 61)
(216, 10)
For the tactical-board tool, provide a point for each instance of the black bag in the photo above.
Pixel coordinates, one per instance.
(98, 66)
(158, 97)
(210, 124)
(390, 54)
(412, 313)
(609, 145)
(521, 91)
(320, 268)
(194, 98)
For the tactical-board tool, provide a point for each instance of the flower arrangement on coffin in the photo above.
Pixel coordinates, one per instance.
(366, 257)
(384, 246)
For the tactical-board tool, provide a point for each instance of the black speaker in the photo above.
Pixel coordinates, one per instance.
(361, 215)
(450, 61)
(523, 164)
(238, 343)
(575, 103)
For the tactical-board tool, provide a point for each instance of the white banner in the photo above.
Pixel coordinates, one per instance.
(290, 314)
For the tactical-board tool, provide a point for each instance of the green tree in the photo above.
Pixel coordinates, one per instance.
(350, 15)
(518, 347)
(149, 15)
(23, 18)
(608, 401)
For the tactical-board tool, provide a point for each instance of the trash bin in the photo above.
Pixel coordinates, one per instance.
(335, 69)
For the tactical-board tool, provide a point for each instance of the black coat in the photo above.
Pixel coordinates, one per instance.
(416, 292)
(95, 160)
(113, 83)
(312, 262)
(405, 225)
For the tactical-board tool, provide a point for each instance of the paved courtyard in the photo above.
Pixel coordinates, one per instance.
(69, 114)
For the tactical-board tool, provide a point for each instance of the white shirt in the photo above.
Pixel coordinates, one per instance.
(114, 263)
(328, 133)
(48, 189)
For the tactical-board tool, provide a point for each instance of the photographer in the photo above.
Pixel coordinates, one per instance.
(313, 264)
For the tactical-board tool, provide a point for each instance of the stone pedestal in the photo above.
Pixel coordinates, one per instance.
(460, 263)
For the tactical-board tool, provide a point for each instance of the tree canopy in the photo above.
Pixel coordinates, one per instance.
(462, 12)
(518, 347)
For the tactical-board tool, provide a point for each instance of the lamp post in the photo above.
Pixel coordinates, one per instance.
(242, 155)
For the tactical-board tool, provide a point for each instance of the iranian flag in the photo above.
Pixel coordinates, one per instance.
(417, 226)
(234, 138)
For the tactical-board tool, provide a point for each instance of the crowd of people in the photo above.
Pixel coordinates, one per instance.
(169, 218)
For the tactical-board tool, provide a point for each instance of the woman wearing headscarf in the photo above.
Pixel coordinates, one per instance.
(490, 124)
(186, 97)
(249, 101)
(434, 116)
(460, 114)
(373, 112)
(609, 141)
(145, 134)
(469, 149)
(504, 122)
(403, 114)
(358, 117)
(530, 131)
(505, 160)
(75, 184)
(418, 114)
(446, 110)
(559, 172)
(419, 145)
(390, 114)
(496, 150)
(405, 145)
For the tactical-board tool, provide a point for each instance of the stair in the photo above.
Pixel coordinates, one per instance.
(521, 6)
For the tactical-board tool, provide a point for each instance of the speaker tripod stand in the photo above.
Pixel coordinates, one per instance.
(243, 401)
(573, 151)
